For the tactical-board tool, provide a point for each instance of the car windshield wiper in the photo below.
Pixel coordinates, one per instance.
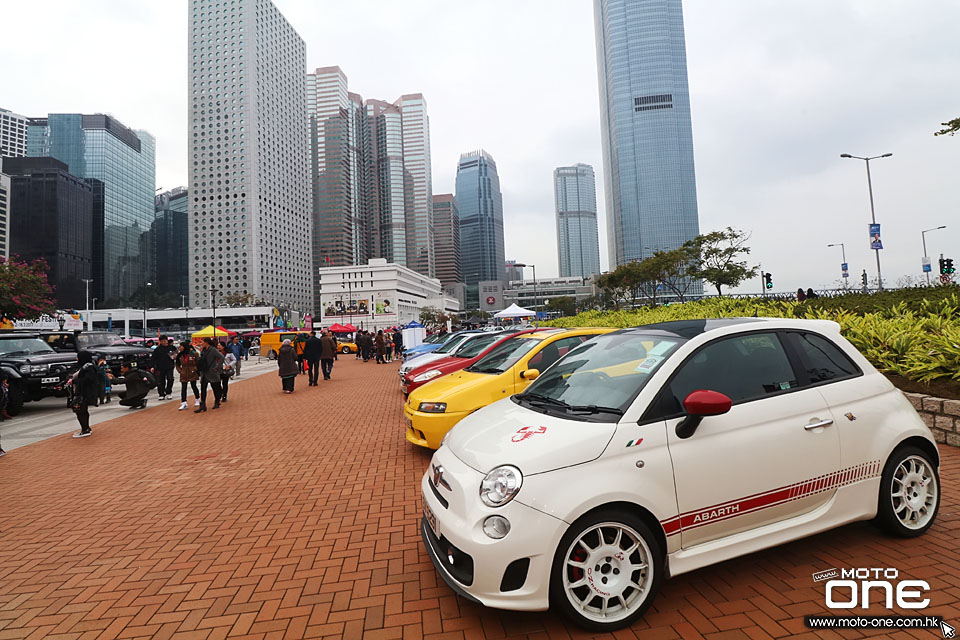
(21, 352)
(592, 408)
(485, 370)
(536, 398)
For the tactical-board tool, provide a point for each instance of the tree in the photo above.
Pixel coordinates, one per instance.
(564, 305)
(431, 316)
(949, 128)
(719, 258)
(239, 299)
(616, 286)
(25, 291)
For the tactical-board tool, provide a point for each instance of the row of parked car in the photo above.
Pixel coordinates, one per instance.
(37, 364)
(578, 468)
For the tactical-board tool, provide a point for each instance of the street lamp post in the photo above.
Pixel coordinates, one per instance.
(923, 236)
(873, 216)
(534, 267)
(87, 282)
(145, 289)
(846, 272)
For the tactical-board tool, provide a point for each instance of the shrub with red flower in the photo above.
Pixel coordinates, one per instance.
(25, 291)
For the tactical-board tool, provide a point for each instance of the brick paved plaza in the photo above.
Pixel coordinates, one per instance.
(297, 517)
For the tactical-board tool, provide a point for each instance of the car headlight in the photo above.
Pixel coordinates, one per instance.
(433, 407)
(34, 368)
(427, 375)
(500, 486)
(26, 368)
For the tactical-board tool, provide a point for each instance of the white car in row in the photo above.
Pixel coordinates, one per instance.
(657, 450)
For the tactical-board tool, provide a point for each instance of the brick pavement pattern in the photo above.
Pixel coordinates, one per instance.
(297, 517)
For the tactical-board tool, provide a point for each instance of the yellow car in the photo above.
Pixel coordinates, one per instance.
(437, 406)
(346, 347)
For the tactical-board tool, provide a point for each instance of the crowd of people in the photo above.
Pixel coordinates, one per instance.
(382, 345)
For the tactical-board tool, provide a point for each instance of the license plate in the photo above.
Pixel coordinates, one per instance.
(50, 380)
(431, 519)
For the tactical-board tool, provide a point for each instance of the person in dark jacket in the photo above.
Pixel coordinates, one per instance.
(105, 387)
(86, 392)
(298, 344)
(137, 383)
(381, 345)
(236, 349)
(367, 344)
(186, 364)
(311, 353)
(162, 364)
(210, 367)
(328, 354)
(287, 366)
(397, 343)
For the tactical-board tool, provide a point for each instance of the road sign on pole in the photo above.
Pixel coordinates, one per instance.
(927, 267)
(845, 270)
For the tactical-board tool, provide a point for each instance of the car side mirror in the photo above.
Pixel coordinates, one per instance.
(699, 405)
(530, 374)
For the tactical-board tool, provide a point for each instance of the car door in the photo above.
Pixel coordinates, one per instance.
(546, 353)
(773, 456)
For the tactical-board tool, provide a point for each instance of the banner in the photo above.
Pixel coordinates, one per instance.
(875, 242)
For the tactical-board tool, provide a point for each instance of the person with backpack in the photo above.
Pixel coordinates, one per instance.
(137, 383)
(84, 391)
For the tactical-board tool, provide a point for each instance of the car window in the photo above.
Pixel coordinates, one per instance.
(504, 355)
(744, 368)
(820, 359)
(23, 346)
(475, 345)
(451, 345)
(553, 352)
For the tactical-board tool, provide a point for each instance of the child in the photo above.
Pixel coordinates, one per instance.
(105, 384)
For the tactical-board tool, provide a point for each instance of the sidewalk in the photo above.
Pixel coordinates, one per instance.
(296, 516)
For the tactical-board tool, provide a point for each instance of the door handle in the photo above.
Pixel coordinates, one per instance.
(817, 425)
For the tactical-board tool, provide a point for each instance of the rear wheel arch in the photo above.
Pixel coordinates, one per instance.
(921, 443)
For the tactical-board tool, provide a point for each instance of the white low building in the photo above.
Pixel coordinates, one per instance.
(379, 294)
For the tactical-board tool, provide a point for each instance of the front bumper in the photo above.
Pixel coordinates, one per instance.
(428, 429)
(533, 537)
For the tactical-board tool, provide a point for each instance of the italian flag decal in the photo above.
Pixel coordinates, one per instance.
(634, 443)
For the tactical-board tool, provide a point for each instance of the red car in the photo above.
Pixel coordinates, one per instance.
(466, 355)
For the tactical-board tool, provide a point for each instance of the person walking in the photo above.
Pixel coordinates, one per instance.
(287, 365)
(86, 390)
(312, 353)
(381, 345)
(226, 371)
(186, 365)
(356, 341)
(137, 383)
(105, 386)
(236, 349)
(367, 345)
(162, 364)
(246, 347)
(298, 344)
(397, 343)
(209, 366)
(328, 353)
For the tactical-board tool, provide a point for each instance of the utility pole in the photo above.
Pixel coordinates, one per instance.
(87, 282)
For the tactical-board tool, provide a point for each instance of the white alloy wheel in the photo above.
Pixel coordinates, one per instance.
(609, 570)
(914, 493)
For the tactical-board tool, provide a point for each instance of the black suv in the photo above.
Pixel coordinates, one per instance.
(33, 369)
(102, 344)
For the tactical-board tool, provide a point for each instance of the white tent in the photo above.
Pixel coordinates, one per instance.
(513, 311)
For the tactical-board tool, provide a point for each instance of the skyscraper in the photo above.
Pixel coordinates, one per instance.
(650, 184)
(481, 219)
(101, 148)
(446, 236)
(170, 243)
(4, 213)
(13, 134)
(52, 218)
(250, 192)
(578, 245)
(371, 176)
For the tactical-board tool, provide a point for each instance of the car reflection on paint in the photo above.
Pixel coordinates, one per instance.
(661, 449)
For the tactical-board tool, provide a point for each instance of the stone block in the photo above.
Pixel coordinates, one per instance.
(953, 439)
(916, 399)
(951, 407)
(931, 403)
(943, 422)
(927, 419)
(939, 436)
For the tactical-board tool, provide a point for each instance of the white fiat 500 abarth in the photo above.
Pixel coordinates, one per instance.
(657, 450)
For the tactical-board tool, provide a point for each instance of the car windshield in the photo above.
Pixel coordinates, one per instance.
(475, 345)
(598, 380)
(88, 340)
(24, 347)
(435, 338)
(505, 355)
(452, 344)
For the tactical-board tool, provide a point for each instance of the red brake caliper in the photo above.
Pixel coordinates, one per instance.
(578, 555)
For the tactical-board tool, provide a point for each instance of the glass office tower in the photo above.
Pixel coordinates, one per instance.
(578, 243)
(650, 185)
(100, 147)
(480, 206)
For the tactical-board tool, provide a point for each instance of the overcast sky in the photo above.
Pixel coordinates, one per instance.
(779, 88)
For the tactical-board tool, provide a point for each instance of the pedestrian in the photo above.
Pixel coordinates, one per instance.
(209, 366)
(811, 294)
(356, 341)
(312, 353)
(246, 347)
(186, 364)
(162, 364)
(137, 383)
(298, 344)
(229, 363)
(105, 385)
(287, 365)
(236, 349)
(328, 354)
(85, 388)
(381, 345)
(801, 296)
(397, 343)
(367, 345)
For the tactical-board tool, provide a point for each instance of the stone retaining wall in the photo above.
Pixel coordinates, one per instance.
(942, 416)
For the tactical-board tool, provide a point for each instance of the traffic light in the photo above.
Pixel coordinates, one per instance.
(943, 266)
(768, 280)
(863, 277)
(948, 267)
